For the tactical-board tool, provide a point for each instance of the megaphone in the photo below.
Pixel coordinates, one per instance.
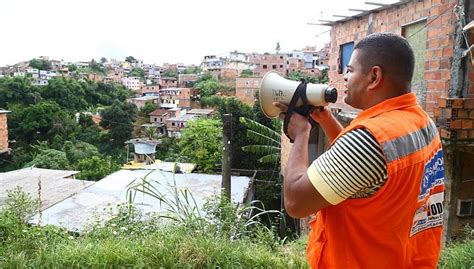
(275, 88)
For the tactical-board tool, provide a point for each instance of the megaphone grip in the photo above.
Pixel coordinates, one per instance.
(300, 93)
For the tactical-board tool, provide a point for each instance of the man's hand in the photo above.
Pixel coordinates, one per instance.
(298, 125)
(321, 114)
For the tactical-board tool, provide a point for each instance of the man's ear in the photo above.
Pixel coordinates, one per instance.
(376, 76)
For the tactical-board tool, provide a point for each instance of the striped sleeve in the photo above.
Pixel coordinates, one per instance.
(354, 164)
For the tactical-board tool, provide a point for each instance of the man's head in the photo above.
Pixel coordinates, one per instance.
(381, 67)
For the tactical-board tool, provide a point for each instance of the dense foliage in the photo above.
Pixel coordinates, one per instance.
(201, 143)
(52, 115)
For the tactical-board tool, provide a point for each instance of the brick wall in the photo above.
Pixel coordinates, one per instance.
(3, 133)
(144, 89)
(455, 118)
(271, 62)
(439, 43)
(245, 88)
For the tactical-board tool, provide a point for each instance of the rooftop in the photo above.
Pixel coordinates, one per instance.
(201, 111)
(74, 213)
(56, 185)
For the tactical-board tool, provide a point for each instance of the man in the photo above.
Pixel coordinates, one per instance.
(378, 190)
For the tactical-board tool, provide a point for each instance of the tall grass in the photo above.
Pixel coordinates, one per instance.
(459, 254)
(130, 239)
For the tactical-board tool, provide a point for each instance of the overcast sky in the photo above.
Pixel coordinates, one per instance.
(173, 31)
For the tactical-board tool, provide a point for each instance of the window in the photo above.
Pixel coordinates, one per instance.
(417, 33)
(264, 66)
(345, 52)
(281, 57)
(281, 66)
(274, 66)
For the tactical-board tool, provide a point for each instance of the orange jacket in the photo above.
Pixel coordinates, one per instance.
(400, 226)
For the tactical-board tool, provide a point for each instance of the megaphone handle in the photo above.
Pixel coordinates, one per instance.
(300, 92)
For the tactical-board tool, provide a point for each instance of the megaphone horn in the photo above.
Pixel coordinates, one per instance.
(275, 88)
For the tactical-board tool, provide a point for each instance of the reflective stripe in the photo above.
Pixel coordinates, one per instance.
(404, 145)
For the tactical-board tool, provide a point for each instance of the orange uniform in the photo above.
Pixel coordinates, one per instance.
(400, 226)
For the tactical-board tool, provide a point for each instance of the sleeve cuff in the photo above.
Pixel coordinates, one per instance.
(322, 187)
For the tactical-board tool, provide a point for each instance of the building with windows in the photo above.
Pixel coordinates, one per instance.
(132, 83)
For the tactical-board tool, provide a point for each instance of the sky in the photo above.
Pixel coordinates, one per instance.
(157, 32)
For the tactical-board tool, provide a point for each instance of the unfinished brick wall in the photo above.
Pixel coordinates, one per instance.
(245, 88)
(440, 27)
(455, 118)
(3, 132)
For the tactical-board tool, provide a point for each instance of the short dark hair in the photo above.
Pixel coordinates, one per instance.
(391, 52)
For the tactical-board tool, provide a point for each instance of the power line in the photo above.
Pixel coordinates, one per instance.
(435, 18)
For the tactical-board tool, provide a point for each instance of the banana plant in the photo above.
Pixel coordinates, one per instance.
(267, 141)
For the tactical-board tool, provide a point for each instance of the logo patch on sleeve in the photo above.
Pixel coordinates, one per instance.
(430, 200)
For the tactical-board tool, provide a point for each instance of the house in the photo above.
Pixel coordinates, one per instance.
(174, 125)
(246, 87)
(187, 80)
(141, 101)
(443, 83)
(201, 113)
(271, 62)
(150, 89)
(3, 131)
(132, 83)
(168, 82)
(177, 97)
(159, 115)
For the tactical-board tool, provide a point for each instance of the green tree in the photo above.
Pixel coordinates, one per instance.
(103, 60)
(298, 75)
(67, 93)
(277, 48)
(18, 90)
(50, 159)
(40, 122)
(147, 109)
(246, 73)
(231, 105)
(170, 74)
(192, 70)
(130, 59)
(79, 150)
(119, 119)
(208, 87)
(137, 72)
(96, 168)
(201, 143)
(41, 64)
(71, 67)
(323, 78)
(96, 67)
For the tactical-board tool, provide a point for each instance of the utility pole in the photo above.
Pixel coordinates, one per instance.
(226, 154)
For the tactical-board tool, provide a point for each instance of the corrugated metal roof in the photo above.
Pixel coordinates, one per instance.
(77, 211)
(56, 185)
(367, 8)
